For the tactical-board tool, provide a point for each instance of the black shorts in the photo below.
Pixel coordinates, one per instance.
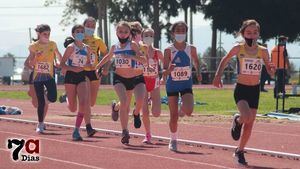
(139, 79)
(74, 78)
(91, 75)
(129, 83)
(182, 92)
(247, 93)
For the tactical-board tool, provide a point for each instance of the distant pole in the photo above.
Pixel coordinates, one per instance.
(191, 26)
(30, 37)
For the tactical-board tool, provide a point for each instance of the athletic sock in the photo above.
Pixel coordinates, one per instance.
(173, 136)
(79, 119)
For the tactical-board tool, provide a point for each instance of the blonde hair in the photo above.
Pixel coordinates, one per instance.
(247, 23)
(123, 23)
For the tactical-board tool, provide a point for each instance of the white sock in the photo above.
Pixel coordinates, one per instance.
(173, 136)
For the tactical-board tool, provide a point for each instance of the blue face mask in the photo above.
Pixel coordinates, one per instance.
(79, 36)
(89, 31)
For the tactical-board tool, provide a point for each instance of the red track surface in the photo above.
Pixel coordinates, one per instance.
(106, 151)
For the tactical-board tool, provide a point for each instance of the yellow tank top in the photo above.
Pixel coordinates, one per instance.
(249, 64)
(45, 54)
(97, 46)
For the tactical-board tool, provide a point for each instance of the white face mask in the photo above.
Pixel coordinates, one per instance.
(180, 37)
(148, 40)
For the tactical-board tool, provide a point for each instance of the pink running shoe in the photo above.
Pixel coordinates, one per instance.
(147, 139)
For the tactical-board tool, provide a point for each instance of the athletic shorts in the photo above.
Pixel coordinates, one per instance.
(129, 83)
(91, 75)
(247, 93)
(182, 92)
(151, 83)
(74, 78)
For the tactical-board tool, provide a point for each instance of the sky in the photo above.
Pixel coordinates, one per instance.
(18, 16)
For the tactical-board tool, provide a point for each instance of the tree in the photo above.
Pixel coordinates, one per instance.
(94, 8)
(276, 17)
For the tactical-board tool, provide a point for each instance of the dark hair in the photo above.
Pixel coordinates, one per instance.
(42, 28)
(89, 19)
(77, 27)
(68, 41)
(172, 28)
(282, 38)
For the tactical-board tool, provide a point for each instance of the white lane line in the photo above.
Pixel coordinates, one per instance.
(120, 150)
(63, 161)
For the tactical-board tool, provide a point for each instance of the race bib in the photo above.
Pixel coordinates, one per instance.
(181, 73)
(251, 66)
(43, 67)
(122, 62)
(93, 58)
(139, 65)
(152, 70)
(79, 60)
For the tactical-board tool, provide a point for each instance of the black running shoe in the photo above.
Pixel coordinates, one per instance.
(63, 98)
(114, 113)
(239, 157)
(125, 137)
(137, 121)
(236, 128)
(90, 131)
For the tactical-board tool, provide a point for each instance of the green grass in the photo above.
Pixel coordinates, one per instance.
(219, 101)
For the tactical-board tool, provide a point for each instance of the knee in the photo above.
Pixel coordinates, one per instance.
(246, 118)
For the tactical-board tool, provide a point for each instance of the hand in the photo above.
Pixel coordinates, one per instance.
(272, 69)
(217, 82)
(199, 77)
(162, 81)
(171, 67)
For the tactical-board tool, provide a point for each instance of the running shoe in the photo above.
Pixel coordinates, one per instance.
(137, 120)
(236, 128)
(125, 137)
(40, 128)
(173, 145)
(90, 131)
(114, 113)
(239, 157)
(147, 139)
(76, 136)
(63, 98)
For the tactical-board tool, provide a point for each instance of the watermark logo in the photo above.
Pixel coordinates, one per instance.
(31, 152)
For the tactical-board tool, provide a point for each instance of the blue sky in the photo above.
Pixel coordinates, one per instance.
(17, 16)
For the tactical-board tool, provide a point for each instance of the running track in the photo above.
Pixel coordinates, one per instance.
(106, 151)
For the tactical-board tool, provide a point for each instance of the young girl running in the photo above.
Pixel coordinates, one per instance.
(41, 58)
(178, 61)
(97, 47)
(152, 81)
(250, 57)
(126, 53)
(77, 56)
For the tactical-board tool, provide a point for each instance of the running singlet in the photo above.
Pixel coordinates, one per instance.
(180, 78)
(44, 55)
(120, 60)
(153, 64)
(97, 45)
(249, 64)
(79, 56)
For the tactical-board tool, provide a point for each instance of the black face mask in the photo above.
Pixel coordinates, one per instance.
(249, 41)
(123, 40)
